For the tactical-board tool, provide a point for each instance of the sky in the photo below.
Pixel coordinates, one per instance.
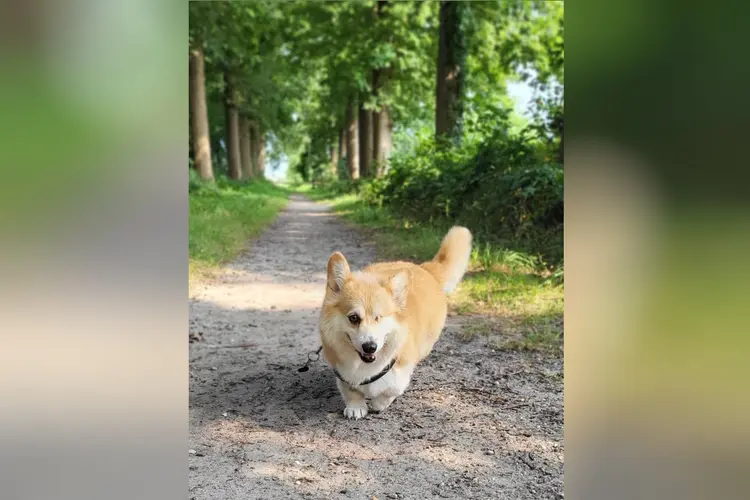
(521, 92)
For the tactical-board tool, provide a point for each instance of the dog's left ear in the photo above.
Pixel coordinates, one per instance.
(338, 272)
(399, 285)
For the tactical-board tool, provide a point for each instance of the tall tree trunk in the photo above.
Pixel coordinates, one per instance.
(232, 130)
(382, 140)
(335, 157)
(254, 145)
(451, 72)
(352, 142)
(365, 141)
(342, 144)
(245, 148)
(199, 116)
(261, 155)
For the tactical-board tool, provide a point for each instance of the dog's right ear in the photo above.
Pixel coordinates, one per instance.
(338, 271)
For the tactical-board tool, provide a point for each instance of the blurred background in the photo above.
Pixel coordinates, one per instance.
(94, 224)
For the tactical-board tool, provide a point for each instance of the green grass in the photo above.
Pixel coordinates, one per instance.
(223, 216)
(511, 300)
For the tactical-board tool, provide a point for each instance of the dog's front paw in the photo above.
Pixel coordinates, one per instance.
(355, 412)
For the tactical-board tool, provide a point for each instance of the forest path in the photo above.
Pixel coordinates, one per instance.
(475, 422)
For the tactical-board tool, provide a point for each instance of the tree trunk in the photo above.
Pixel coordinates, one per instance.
(245, 148)
(382, 140)
(352, 142)
(232, 130)
(451, 72)
(254, 145)
(199, 116)
(365, 141)
(261, 166)
(342, 144)
(335, 157)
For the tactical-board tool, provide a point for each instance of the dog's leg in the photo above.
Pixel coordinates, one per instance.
(382, 401)
(397, 388)
(356, 406)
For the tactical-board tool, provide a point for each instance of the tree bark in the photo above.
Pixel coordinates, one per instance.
(258, 149)
(199, 116)
(451, 72)
(254, 141)
(382, 140)
(261, 155)
(335, 157)
(342, 144)
(365, 141)
(352, 142)
(245, 149)
(232, 130)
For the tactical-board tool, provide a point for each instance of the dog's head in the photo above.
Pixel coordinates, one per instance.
(360, 309)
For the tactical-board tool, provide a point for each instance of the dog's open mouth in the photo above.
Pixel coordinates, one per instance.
(367, 358)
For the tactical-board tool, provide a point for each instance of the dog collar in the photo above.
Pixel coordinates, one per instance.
(369, 380)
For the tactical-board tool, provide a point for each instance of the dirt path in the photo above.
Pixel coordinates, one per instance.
(475, 423)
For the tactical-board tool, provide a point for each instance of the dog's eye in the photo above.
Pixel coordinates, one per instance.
(377, 318)
(354, 318)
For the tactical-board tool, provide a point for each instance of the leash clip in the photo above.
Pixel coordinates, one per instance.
(312, 357)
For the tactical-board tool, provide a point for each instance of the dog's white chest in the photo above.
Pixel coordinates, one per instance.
(381, 385)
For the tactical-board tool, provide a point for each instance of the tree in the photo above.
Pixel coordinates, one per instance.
(352, 142)
(246, 148)
(451, 70)
(199, 115)
(232, 129)
(335, 158)
(366, 136)
(342, 145)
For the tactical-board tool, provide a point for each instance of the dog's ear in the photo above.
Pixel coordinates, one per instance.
(399, 285)
(338, 271)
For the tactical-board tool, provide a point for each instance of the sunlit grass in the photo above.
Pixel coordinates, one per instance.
(511, 300)
(222, 219)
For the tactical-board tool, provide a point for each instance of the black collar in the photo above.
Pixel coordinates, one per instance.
(371, 379)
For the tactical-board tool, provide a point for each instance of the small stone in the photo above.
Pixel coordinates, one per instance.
(192, 452)
(297, 462)
(374, 497)
(273, 307)
(225, 414)
(214, 368)
(343, 491)
(489, 452)
(297, 483)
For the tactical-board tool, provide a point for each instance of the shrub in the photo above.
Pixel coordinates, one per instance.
(500, 188)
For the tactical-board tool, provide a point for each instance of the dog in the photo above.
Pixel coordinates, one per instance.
(377, 324)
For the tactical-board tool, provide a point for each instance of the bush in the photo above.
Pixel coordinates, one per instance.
(500, 188)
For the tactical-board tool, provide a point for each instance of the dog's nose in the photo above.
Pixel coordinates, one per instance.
(369, 347)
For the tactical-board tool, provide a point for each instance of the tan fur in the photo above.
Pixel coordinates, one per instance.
(401, 308)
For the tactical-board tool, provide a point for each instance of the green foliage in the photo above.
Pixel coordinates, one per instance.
(500, 188)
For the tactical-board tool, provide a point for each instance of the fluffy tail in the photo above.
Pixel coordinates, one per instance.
(451, 261)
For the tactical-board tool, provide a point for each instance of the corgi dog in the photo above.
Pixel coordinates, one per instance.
(378, 323)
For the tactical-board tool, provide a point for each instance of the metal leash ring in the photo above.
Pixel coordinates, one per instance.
(312, 357)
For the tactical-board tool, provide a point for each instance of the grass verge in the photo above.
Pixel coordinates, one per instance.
(223, 215)
(509, 300)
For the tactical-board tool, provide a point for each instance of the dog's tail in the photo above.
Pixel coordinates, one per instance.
(452, 260)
